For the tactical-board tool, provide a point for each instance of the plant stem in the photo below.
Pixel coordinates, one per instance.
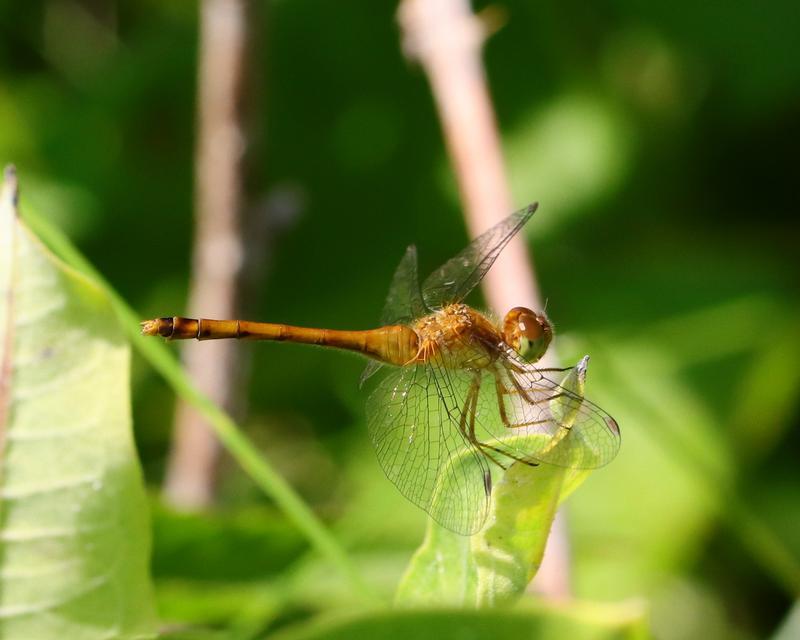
(446, 38)
(218, 251)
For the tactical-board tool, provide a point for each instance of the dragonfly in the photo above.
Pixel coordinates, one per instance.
(459, 393)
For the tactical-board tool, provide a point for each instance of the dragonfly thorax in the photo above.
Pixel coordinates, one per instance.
(457, 336)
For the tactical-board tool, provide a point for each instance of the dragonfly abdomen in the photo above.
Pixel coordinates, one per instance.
(393, 344)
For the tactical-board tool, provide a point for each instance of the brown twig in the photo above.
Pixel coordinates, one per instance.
(446, 38)
(218, 248)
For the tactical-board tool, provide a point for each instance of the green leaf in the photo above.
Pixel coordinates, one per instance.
(442, 572)
(495, 565)
(577, 621)
(231, 436)
(73, 516)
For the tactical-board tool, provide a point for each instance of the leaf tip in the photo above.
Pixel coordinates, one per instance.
(582, 367)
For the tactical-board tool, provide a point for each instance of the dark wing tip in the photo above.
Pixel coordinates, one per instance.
(527, 212)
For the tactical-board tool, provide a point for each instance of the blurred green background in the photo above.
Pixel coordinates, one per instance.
(659, 138)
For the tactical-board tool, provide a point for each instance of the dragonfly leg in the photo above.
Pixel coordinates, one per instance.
(525, 393)
(471, 407)
(501, 405)
(469, 430)
(483, 446)
(502, 391)
(532, 423)
(563, 429)
(518, 369)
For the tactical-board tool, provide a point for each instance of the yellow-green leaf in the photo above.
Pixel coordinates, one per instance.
(73, 517)
(495, 565)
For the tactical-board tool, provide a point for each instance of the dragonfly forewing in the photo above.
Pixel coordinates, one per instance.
(454, 280)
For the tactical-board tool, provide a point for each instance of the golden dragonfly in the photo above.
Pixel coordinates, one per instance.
(461, 391)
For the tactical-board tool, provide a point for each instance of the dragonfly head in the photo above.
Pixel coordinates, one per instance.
(527, 332)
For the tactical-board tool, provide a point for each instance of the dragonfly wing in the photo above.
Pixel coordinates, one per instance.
(529, 415)
(453, 281)
(371, 369)
(404, 302)
(413, 424)
(526, 416)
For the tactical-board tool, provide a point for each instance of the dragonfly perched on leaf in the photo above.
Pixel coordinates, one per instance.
(460, 391)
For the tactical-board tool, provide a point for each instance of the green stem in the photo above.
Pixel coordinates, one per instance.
(229, 434)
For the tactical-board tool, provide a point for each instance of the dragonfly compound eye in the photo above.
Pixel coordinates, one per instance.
(527, 332)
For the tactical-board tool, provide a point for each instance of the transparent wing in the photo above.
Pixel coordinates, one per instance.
(413, 423)
(458, 276)
(546, 422)
(524, 415)
(403, 303)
